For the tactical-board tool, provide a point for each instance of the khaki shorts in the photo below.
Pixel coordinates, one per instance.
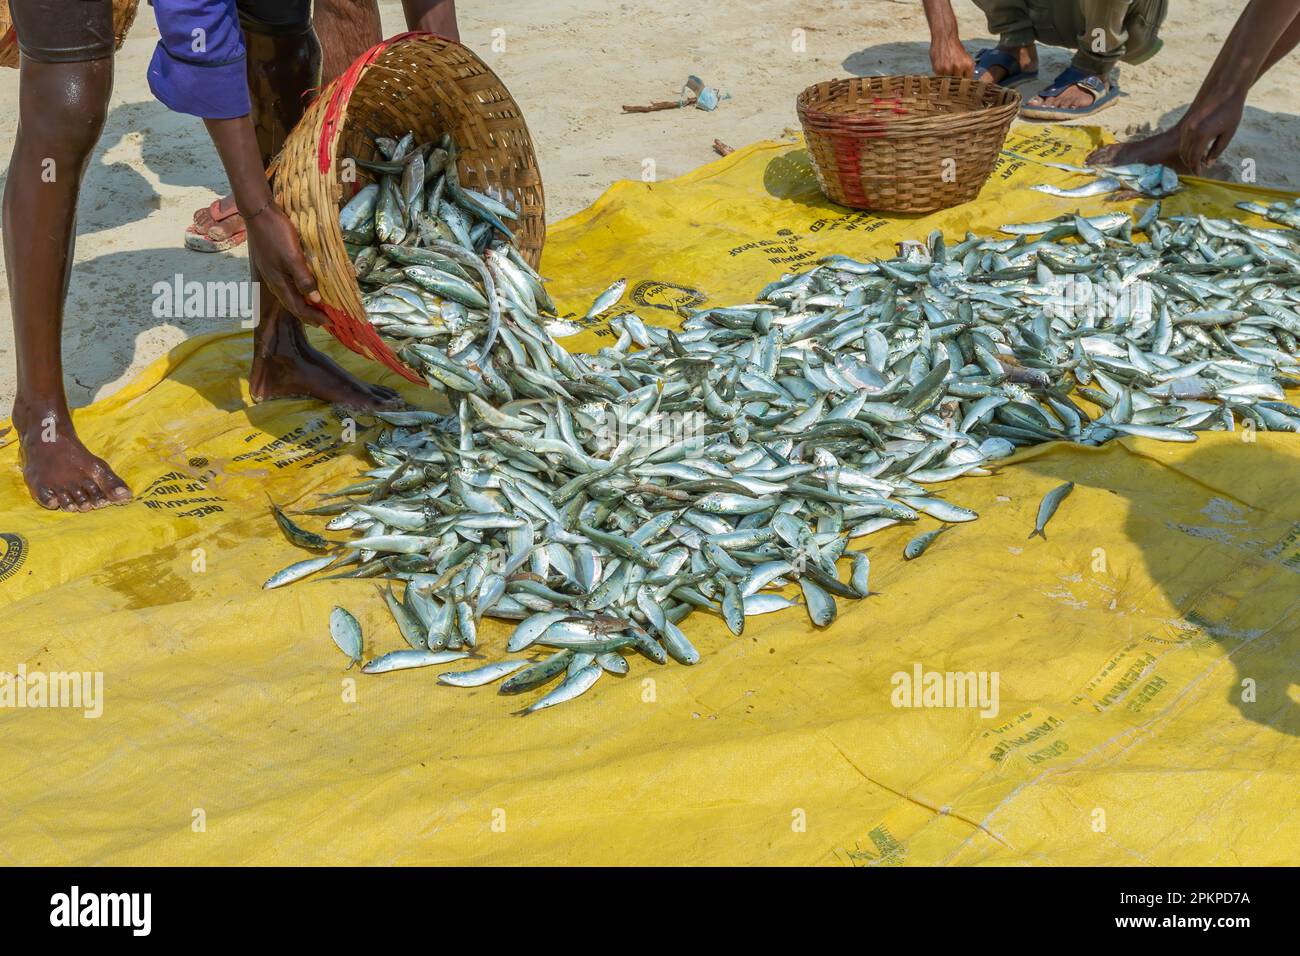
(1102, 32)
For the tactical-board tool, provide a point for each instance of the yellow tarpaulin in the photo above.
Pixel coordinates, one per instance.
(1147, 705)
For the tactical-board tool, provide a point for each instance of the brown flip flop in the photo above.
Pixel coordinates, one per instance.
(199, 241)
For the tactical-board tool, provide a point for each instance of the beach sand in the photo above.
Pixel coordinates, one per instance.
(571, 67)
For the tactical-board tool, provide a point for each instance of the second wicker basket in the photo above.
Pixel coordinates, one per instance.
(904, 143)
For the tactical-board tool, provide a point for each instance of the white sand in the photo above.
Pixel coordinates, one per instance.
(571, 72)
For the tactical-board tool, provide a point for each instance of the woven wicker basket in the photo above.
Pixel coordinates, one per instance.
(904, 143)
(417, 82)
(123, 17)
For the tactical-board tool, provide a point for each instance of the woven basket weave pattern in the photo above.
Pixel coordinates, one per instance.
(904, 143)
(415, 82)
(123, 16)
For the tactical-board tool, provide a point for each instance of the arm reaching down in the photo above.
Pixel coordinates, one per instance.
(272, 239)
(199, 68)
(1257, 41)
(947, 56)
(1266, 31)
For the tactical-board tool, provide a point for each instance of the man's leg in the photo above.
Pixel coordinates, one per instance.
(345, 29)
(1011, 22)
(283, 67)
(62, 102)
(1103, 31)
(432, 16)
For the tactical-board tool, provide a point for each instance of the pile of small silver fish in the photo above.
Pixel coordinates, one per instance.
(429, 253)
(1281, 212)
(1139, 179)
(599, 499)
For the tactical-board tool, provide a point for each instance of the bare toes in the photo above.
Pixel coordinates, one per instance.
(47, 499)
(113, 488)
(66, 502)
(94, 495)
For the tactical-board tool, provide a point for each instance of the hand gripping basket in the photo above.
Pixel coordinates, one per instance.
(123, 17)
(904, 143)
(416, 82)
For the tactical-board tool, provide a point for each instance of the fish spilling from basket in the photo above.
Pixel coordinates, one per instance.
(431, 254)
(597, 500)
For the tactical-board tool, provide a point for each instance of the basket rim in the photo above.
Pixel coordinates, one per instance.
(316, 162)
(987, 114)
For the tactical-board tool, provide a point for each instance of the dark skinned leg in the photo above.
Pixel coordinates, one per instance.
(346, 29)
(432, 16)
(282, 68)
(1026, 56)
(61, 112)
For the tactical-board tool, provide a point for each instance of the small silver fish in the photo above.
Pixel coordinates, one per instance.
(1047, 507)
(606, 300)
(1098, 187)
(409, 658)
(298, 571)
(346, 633)
(575, 685)
(480, 675)
(918, 545)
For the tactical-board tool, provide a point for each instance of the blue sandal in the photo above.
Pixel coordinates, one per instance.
(1104, 93)
(1015, 76)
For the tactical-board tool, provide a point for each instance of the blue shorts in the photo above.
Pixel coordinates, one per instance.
(72, 31)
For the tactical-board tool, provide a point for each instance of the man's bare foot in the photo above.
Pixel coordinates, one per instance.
(293, 368)
(59, 470)
(1160, 147)
(1026, 56)
(1071, 98)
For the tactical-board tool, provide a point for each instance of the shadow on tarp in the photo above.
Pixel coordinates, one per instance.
(1225, 555)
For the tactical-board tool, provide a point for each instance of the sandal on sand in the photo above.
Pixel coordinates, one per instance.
(200, 241)
(1103, 93)
(1015, 76)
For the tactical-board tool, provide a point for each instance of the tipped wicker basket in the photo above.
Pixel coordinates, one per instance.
(415, 82)
(904, 143)
(123, 17)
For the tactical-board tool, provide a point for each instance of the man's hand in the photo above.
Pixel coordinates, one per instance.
(949, 58)
(274, 247)
(1207, 130)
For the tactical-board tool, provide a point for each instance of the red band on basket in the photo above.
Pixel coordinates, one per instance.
(357, 335)
(362, 338)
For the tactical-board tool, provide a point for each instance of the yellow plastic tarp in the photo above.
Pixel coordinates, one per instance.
(1147, 706)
